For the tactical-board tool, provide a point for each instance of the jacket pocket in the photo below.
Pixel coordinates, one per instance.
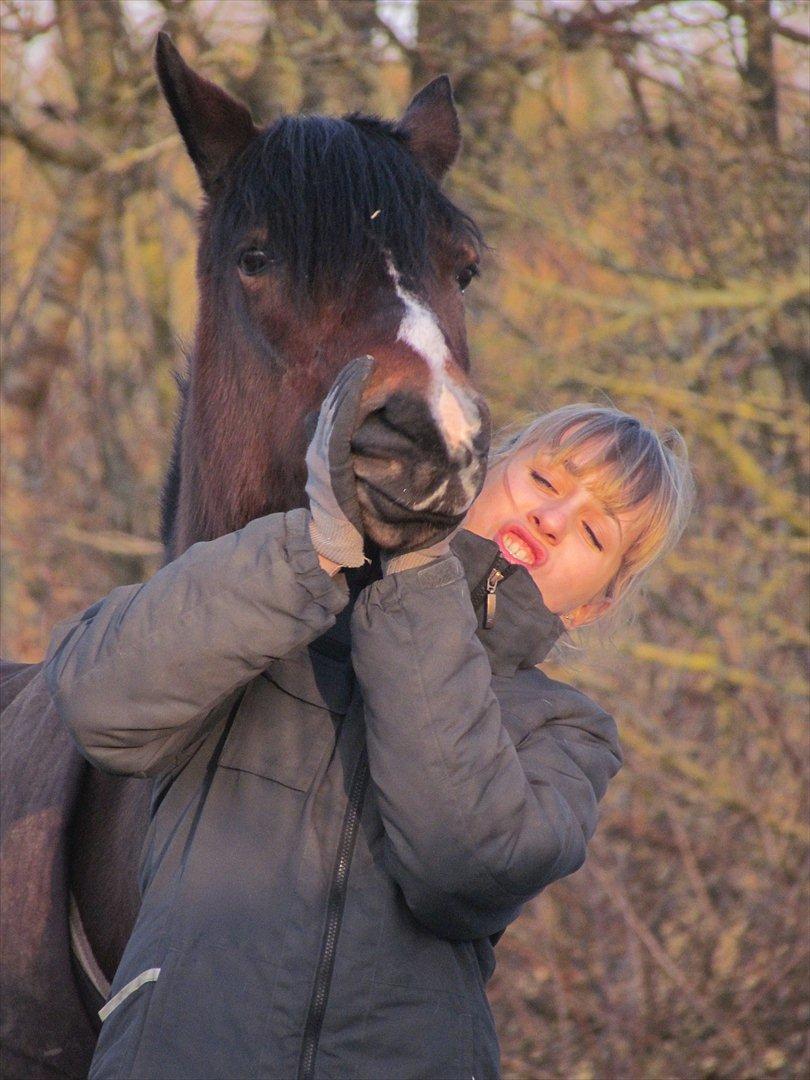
(279, 736)
(124, 1018)
(213, 1019)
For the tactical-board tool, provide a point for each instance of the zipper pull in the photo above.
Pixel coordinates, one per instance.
(494, 579)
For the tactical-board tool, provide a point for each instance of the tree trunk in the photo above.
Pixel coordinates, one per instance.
(759, 72)
(471, 42)
(92, 44)
(37, 342)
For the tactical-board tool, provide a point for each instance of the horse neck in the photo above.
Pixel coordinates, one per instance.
(237, 440)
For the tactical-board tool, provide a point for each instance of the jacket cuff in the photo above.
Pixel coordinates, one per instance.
(332, 593)
(437, 574)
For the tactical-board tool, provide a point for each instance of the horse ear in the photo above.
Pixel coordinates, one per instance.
(431, 124)
(215, 126)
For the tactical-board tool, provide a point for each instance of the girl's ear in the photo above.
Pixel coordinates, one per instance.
(588, 613)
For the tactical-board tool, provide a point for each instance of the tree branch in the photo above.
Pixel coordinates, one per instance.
(406, 50)
(576, 31)
(27, 29)
(113, 542)
(57, 141)
(790, 33)
(137, 155)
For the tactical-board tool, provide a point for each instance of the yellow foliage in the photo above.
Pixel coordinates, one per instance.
(649, 249)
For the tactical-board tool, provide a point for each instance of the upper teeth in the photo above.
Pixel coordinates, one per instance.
(517, 548)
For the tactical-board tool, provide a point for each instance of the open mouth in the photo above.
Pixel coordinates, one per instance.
(518, 547)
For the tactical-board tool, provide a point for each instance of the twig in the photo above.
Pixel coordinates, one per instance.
(671, 760)
(790, 32)
(51, 140)
(732, 1036)
(703, 663)
(408, 51)
(690, 863)
(138, 155)
(111, 542)
(736, 294)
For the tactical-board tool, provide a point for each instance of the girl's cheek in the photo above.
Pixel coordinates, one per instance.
(522, 493)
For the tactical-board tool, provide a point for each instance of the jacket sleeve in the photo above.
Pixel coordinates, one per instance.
(136, 676)
(475, 825)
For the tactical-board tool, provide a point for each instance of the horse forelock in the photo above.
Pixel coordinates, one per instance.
(330, 195)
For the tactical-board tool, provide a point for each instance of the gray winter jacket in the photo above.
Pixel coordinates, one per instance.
(345, 814)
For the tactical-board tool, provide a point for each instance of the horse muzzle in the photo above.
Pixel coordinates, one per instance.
(420, 465)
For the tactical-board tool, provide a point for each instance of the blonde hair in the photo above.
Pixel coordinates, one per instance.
(627, 466)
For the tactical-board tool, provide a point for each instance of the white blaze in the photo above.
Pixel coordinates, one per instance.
(434, 496)
(455, 415)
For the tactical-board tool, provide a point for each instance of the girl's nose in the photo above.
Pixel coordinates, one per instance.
(550, 522)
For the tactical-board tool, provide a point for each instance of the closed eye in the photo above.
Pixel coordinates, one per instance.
(593, 537)
(542, 481)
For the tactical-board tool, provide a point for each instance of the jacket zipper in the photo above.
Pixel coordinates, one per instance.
(484, 591)
(334, 917)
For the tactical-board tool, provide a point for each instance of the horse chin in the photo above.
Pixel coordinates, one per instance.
(402, 537)
(393, 526)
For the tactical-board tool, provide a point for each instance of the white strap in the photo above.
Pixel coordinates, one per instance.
(82, 950)
(150, 975)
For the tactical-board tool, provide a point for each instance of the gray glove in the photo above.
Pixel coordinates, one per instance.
(337, 527)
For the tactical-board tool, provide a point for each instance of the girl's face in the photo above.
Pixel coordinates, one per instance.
(544, 518)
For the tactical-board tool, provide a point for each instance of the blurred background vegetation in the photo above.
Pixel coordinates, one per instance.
(641, 172)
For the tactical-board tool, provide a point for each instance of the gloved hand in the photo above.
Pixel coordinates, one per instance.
(337, 527)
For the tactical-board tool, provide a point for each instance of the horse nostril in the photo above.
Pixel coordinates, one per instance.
(378, 437)
(402, 427)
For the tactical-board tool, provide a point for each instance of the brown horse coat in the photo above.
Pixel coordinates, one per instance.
(45, 1030)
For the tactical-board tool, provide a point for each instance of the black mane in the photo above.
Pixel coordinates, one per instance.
(332, 194)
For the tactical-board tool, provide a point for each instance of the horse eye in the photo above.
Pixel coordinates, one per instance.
(465, 276)
(254, 261)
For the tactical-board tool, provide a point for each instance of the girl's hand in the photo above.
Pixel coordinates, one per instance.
(336, 528)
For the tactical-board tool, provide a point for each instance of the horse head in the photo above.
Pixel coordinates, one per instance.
(320, 240)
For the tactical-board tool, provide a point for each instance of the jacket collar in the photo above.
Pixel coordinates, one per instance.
(521, 636)
(313, 676)
(320, 674)
(524, 629)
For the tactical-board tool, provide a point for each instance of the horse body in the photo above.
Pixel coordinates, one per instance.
(320, 240)
(46, 1030)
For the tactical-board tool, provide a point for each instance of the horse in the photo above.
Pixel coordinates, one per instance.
(319, 240)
